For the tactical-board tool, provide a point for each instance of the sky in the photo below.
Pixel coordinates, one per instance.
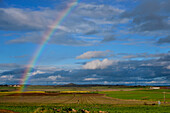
(117, 42)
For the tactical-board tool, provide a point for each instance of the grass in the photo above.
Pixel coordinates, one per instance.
(151, 95)
(30, 108)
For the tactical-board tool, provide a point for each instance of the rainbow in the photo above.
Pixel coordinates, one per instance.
(46, 38)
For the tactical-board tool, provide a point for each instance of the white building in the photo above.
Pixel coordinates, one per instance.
(154, 87)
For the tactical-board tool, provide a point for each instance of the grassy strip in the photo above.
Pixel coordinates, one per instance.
(30, 108)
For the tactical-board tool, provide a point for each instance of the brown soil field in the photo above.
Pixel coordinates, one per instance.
(67, 99)
(6, 111)
(52, 94)
(34, 94)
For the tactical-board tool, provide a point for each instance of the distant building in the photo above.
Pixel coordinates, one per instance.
(154, 87)
(15, 85)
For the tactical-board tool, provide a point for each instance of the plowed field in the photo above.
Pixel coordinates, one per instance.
(65, 98)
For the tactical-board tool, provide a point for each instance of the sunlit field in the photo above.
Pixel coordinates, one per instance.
(151, 95)
(94, 99)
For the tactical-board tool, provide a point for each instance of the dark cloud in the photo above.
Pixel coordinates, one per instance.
(9, 66)
(143, 55)
(164, 40)
(150, 15)
(17, 72)
(165, 57)
(58, 38)
(123, 72)
(66, 39)
(130, 71)
(81, 21)
(108, 38)
(91, 32)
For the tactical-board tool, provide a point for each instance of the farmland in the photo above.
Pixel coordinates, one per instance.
(30, 108)
(64, 98)
(94, 99)
(151, 95)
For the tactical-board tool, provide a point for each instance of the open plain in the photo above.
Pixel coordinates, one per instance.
(93, 99)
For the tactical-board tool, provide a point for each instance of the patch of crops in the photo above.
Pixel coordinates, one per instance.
(139, 95)
(95, 108)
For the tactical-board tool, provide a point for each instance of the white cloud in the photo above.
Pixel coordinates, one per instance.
(89, 79)
(94, 54)
(55, 77)
(168, 67)
(24, 19)
(101, 11)
(148, 64)
(97, 64)
(6, 77)
(37, 72)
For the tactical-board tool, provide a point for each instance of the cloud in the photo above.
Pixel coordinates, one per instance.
(15, 19)
(47, 69)
(166, 57)
(131, 72)
(122, 72)
(37, 72)
(91, 32)
(81, 21)
(94, 54)
(101, 11)
(168, 67)
(17, 72)
(59, 38)
(6, 77)
(21, 56)
(66, 39)
(55, 77)
(97, 64)
(9, 66)
(144, 55)
(164, 40)
(91, 79)
(149, 16)
(108, 38)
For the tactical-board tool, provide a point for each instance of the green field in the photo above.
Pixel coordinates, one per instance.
(31, 108)
(151, 95)
(49, 99)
